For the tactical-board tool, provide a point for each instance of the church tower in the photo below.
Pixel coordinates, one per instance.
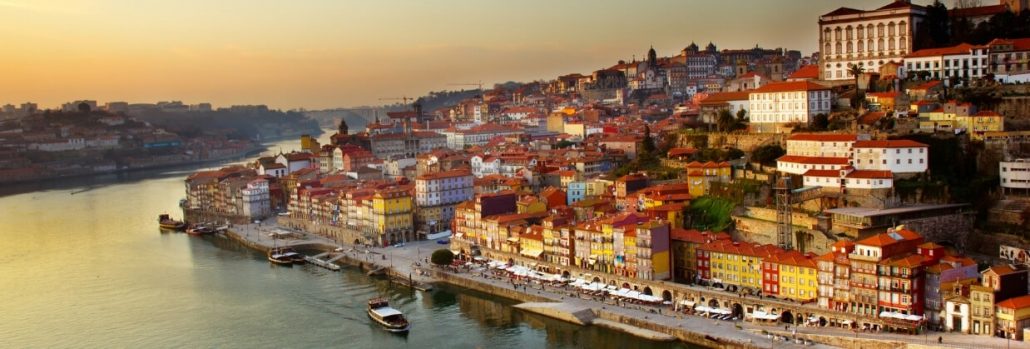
(343, 127)
(652, 58)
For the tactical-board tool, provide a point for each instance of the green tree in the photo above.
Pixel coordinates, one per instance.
(820, 122)
(855, 71)
(724, 122)
(648, 146)
(767, 154)
(742, 116)
(442, 256)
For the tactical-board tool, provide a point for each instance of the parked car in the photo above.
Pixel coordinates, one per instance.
(443, 241)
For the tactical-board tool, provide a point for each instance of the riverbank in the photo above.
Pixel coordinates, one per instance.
(407, 265)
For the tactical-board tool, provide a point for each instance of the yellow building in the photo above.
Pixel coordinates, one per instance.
(556, 122)
(530, 204)
(794, 274)
(736, 265)
(977, 125)
(531, 243)
(654, 260)
(392, 215)
(1013, 316)
(701, 176)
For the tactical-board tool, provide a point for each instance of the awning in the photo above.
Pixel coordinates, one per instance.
(513, 239)
(532, 252)
(459, 235)
(687, 303)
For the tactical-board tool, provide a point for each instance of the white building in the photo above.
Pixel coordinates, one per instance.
(851, 161)
(897, 156)
(443, 188)
(780, 103)
(1015, 175)
(485, 165)
(963, 60)
(256, 200)
(868, 39)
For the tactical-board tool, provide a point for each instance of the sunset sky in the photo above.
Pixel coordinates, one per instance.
(333, 53)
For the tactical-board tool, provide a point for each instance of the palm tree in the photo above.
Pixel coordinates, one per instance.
(855, 71)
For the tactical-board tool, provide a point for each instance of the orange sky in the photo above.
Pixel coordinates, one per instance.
(335, 53)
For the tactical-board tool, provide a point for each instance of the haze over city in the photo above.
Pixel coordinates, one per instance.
(323, 54)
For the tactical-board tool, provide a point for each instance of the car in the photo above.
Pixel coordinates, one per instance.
(400, 244)
(443, 241)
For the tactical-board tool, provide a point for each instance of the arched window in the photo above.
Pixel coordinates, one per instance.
(861, 45)
(837, 51)
(836, 34)
(903, 44)
(891, 43)
(826, 34)
(879, 29)
(879, 44)
(861, 31)
(849, 47)
(869, 31)
(890, 29)
(826, 50)
(850, 32)
(869, 46)
(902, 28)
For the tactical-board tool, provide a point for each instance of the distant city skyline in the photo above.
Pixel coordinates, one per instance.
(327, 54)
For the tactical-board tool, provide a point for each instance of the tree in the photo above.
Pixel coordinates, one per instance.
(648, 146)
(83, 107)
(724, 122)
(820, 122)
(855, 71)
(442, 256)
(742, 116)
(767, 154)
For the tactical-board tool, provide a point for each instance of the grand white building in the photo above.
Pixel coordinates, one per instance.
(868, 39)
(792, 102)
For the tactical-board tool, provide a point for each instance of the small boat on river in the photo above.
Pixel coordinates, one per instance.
(200, 229)
(167, 223)
(391, 319)
(285, 256)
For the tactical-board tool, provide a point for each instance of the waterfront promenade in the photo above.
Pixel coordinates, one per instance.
(410, 260)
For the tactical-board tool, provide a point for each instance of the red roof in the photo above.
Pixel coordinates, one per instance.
(787, 86)
(810, 71)
(979, 11)
(681, 151)
(896, 143)
(723, 97)
(927, 85)
(959, 49)
(826, 160)
(1022, 44)
(823, 137)
(1015, 303)
(871, 117)
(891, 94)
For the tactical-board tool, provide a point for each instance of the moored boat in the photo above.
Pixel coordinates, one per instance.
(391, 319)
(277, 257)
(166, 222)
(200, 230)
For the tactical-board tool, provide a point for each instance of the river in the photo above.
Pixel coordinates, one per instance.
(83, 264)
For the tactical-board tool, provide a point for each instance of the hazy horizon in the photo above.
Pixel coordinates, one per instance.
(323, 54)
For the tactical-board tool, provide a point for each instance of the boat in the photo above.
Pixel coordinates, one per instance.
(166, 222)
(200, 229)
(284, 256)
(391, 319)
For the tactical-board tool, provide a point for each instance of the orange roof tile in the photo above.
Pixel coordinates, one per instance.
(896, 143)
(1015, 303)
(788, 86)
(823, 137)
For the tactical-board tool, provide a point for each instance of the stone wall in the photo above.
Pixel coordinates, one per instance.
(848, 342)
(680, 333)
(768, 214)
(953, 228)
(744, 141)
(339, 234)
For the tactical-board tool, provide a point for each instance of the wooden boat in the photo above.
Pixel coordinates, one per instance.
(276, 257)
(391, 319)
(166, 222)
(201, 229)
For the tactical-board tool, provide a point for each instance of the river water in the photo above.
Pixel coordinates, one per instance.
(83, 264)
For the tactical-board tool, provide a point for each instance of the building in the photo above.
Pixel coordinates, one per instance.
(436, 196)
(406, 144)
(1013, 316)
(960, 61)
(732, 102)
(391, 218)
(780, 104)
(1010, 59)
(1015, 176)
(685, 243)
(790, 275)
(867, 39)
(256, 199)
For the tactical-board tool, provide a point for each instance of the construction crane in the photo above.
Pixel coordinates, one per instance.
(405, 99)
(478, 85)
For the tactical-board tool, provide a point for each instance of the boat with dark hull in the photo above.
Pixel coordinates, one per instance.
(167, 223)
